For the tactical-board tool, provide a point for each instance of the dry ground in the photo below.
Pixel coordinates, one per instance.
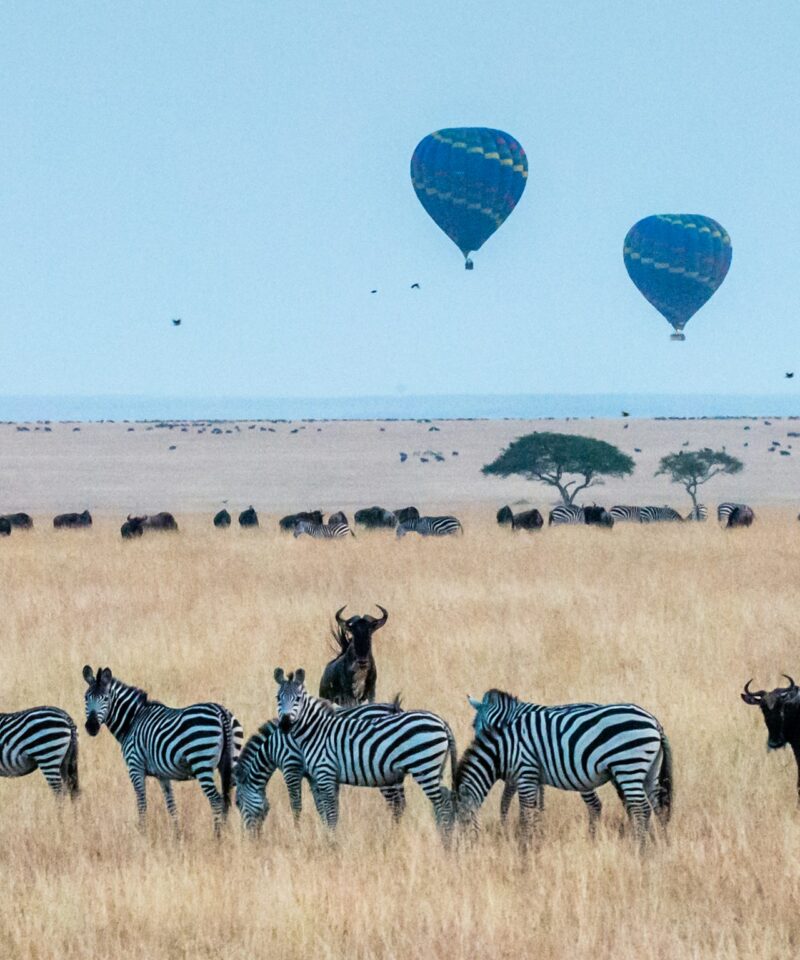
(674, 619)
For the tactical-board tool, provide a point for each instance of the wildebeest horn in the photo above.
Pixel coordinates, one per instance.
(792, 684)
(750, 696)
(339, 615)
(379, 623)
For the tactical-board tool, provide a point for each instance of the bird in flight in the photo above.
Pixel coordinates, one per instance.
(176, 321)
(789, 375)
(625, 413)
(373, 291)
(415, 286)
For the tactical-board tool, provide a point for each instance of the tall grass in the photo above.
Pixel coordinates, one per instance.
(675, 619)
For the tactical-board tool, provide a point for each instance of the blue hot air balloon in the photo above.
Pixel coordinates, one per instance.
(677, 261)
(469, 179)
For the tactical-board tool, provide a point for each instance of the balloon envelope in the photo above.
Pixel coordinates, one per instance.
(469, 179)
(677, 261)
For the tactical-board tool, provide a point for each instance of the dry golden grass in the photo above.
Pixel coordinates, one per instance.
(674, 619)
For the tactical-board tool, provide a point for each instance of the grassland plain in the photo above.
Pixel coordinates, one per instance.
(675, 619)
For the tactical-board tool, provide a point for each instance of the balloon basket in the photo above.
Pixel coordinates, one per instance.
(468, 264)
(677, 335)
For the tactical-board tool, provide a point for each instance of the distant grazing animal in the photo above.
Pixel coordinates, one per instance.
(724, 510)
(222, 519)
(572, 515)
(5, 527)
(660, 515)
(248, 518)
(527, 520)
(375, 517)
(404, 514)
(290, 522)
(270, 749)
(133, 527)
(781, 711)
(349, 679)
(184, 743)
(160, 521)
(431, 527)
(45, 738)
(626, 514)
(740, 516)
(72, 520)
(698, 513)
(577, 746)
(336, 528)
(22, 521)
(341, 747)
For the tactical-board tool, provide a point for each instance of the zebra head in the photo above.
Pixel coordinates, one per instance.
(292, 696)
(97, 698)
(494, 710)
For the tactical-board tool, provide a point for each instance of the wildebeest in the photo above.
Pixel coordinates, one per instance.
(527, 520)
(248, 517)
(22, 521)
(289, 522)
(404, 514)
(160, 521)
(72, 521)
(133, 527)
(350, 678)
(740, 516)
(5, 527)
(781, 711)
(222, 519)
(597, 516)
(375, 517)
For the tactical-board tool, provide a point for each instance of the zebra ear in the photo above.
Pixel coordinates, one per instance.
(300, 676)
(88, 674)
(279, 675)
(104, 676)
(475, 704)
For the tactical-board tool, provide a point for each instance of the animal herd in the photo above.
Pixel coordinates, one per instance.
(343, 737)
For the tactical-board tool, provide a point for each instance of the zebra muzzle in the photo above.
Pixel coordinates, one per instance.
(92, 725)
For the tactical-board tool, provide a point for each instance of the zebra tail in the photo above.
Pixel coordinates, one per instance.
(226, 760)
(451, 745)
(69, 766)
(663, 807)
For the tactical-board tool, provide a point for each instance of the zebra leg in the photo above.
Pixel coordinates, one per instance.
(136, 775)
(395, 796)
(205, 778)
(509, 790)
(169, 799)
(294, 787)
(531, 804)
(594, 808)
(52, 774)
(326, 800)
(431, 786)
(637, 806)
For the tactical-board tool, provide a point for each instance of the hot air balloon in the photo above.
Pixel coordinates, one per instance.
(469, 179)
(677, 261)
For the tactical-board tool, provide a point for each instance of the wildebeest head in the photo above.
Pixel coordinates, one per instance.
(291, 697)
(360, 630)
(504, 515)
(97, 698)
(133, 527)
(780, 709)
(598, 516)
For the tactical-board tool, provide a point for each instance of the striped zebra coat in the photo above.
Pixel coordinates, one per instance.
(344, 747)
(430, 526)
(571, 515)
(169, 743)
(577, 746)
(626, 514)
(659, 515)
(336, 527)
(270, 749)
(43, 738)
(729, 514)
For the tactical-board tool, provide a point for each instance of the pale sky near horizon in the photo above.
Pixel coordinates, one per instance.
(245, 166)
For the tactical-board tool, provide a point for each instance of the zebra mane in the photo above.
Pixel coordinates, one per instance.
(251, 748)
(502, 696)
(478, 746)
(142, 696)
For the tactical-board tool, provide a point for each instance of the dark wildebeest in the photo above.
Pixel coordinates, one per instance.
(22, 521)
(527, 520)
(71, 521)
(781, 711)
(160, 521)
(375, 517)
(597, 516)
(404, 514)
(222, 519)
(248, 517)
(5, 527)
(350, 678)
(132, 527)
(290, 522)
(740, 516)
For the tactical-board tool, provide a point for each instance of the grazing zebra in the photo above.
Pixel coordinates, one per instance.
(724, 511)
(625, 514)
(344, 746)
(571, 514)
(659, 515)
(700, 512)
(430, 526)
(577, 746)
(168, 743)
(337, 526)
(270, 749)
(43, 737)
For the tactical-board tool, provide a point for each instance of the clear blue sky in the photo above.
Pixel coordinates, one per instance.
(244, 165)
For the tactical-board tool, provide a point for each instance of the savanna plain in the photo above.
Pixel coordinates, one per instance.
(673, 618)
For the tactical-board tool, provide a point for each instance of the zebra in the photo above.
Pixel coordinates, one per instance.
(623, 514)
(571, 514)
(41, 737)
(337, 526)
(168, 743)
(724, 511)
(430, 526)
(698, 512)
(577, 746)
(345, 747)
(270, 749)
(659, 515)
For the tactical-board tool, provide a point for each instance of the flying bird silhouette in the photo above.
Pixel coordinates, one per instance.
(625, 413)
(789, 375)
(176, 321)
(373, 291)
(415, 286)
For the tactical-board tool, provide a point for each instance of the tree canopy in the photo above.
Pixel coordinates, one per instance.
(552, 458)
(693, 468)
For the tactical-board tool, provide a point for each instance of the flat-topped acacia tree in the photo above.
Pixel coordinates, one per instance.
(693, 468)
(554, 458)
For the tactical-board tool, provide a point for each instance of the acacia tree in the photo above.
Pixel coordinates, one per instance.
(693, 468)
(552, 458)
